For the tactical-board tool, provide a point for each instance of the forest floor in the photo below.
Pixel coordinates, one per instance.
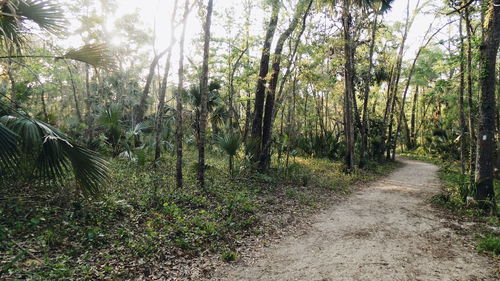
(385, 231)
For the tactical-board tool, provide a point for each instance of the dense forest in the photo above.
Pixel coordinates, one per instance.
(133, 150)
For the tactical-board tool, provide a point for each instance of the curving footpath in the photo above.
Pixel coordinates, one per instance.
(386, 231)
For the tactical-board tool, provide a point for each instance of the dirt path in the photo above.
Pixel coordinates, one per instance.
(386, 231)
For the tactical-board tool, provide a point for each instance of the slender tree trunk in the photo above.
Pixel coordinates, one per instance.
(407, 132)
(75, 97)
(306, 128)
(319, 112)
(265, 157)
(88, 102)
(248, 106)
(231, 169)
(413, 141)
(326, 113)
(470, 104)
(390, 130)
(463, 139)
(260, 92)
(485, 192)
(163, 87)
(8, 71)
(408, 81)
(204, 97)
(248, 116)
(44, 106)
(294, 59)
(389, 117)
(178, 100)
(348, 90)
(368, 81)
(141, 108)
(387, 110)
(232, 111)
(89, 118)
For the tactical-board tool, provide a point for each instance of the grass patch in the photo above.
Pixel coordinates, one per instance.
(228, 255)
(490, 244)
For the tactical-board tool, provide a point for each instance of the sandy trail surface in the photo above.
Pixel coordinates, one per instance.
(386, 231)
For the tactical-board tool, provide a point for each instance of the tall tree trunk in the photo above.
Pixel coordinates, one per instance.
(485, 192)
(178, 100)
(408, 82)
(463, 139)
(75, 97)
(294, 104)
(407, 132)
(381, 148)
(389, 116)
(204, 96)
(141, 108)
(89, 117)
(391, 123)
(413, 137)
(160, 112)
(248, 105)
(260, 92)
(248, 116)
(470, 104)
(348, 83)
(88, 102)
(44, 106)
(232, 111)
(306, 128)
(294, 59)
(265, 157)
(13, 88)
(368, 81)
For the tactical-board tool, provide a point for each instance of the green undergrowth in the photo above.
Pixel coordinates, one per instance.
(142, 219)
(457, 195)
(489, 243)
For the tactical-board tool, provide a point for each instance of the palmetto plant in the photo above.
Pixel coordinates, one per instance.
(229, 142)
(110, 119)
(17, 19)
(25, 142)
(51, 153)
(18, 16)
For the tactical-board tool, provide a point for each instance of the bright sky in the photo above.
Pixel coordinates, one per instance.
(155, 14)
(421, 24)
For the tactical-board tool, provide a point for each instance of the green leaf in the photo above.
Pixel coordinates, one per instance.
(97, 55)
(55, 154)
(17, 19)
(229, 142)
(8, 148)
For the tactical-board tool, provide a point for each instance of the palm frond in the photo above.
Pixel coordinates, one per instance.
(30, 134)
(55, 155)
(46, 14)
(8, 148)
(229, 142)
(97, 55)
(91, 171)
(137, 130)
(110, 120)
(10, 31)
(17, 17)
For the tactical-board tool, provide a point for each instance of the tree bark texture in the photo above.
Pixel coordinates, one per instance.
(260, 91)
(486, 133)
(204, 96)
